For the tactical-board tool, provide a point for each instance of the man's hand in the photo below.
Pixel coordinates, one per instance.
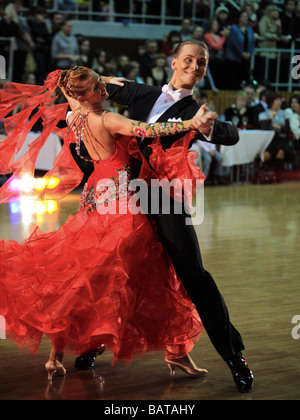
(204, 120)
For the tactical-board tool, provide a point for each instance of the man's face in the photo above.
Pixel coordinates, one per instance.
(189, 67)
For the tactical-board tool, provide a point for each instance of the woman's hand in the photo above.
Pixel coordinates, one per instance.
(119, 81)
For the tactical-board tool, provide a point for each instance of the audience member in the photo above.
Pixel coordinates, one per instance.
(251, 94)
(238, 52)
(260, 107)
(64, 47)
(86, 57)
(210, 154)
(287, 17)
(249, 8)
(186, 29)
(41, 39)
(8, 28)
(274, 118)
(296, 24)
(122, 62)
(270, 30)
(55, 22)
(172, 38)
(132, 72)
(24, 42)
(99, 63)
(222, 16)
(239, 113)
(293, 114)
(198, 32)
(216, 52)
(146, 60)
(160, 73)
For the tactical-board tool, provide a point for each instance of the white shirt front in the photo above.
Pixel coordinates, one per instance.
(164, 102)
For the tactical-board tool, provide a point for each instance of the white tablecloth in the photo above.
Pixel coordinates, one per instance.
(251, 144)
(47, 155)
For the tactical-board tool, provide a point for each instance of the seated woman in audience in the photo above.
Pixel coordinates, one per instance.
(239, 113)
(274, 118)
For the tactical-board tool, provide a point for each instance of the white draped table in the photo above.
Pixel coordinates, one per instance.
(47, 155)
(251, 144)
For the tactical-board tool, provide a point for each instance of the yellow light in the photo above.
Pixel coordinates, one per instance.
(53, 183)
(52, 206)
(40, 184)
(39, 208)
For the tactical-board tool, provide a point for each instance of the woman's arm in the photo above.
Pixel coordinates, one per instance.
(74, 104)
(117, 124)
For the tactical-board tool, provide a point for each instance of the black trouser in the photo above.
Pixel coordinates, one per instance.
(181, 242)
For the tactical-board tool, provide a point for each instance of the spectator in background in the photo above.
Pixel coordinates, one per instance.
(293, 114)
(99, 64)
(210, 154)
(198, 33)
(270, 30)
(222, 16)
(146, 60)
(64, 47)
(238, 52)
(24, 42)
(251, 94)
(86, 57)
(186, 29)
(274, 118)
(252, 17)
(257, 109)
(173, 38)
(287, 17)
(216, 52)
(41, 39)
(56, 21)
(296, 24)
(122, 63)
(132, 72)
(239, 113)
(160, 73)
(8, 28)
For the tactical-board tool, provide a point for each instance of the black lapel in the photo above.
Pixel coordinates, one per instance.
(143, 106)
(177, 110)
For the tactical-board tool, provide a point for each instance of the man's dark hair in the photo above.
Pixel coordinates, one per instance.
(189, 42)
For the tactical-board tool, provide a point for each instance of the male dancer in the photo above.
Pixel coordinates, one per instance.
(151, 104)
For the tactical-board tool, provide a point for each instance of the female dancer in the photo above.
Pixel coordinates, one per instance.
(99, 279)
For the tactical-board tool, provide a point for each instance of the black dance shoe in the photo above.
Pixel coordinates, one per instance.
(242, 375)
(87, 360)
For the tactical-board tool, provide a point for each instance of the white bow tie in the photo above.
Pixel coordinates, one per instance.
(175, 94)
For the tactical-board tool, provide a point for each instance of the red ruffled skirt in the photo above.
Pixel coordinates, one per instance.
(99, 279)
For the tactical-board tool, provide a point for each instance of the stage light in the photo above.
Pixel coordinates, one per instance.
(53, 183)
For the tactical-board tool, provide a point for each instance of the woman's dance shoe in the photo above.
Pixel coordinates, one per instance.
(186, 364)
(54, 366)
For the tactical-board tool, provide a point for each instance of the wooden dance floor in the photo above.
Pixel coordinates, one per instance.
(250, 244)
